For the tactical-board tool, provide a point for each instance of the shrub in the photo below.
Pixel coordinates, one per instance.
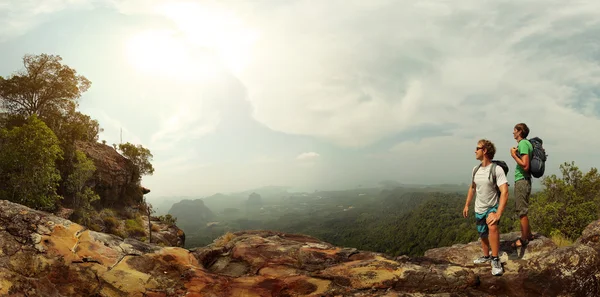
(168, 219)
(566, 204)
(559, 239)
(225, 239)
(111, 224)
(134, 228)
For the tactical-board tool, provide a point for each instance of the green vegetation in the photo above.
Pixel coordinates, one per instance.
(27, 165)
(395, 221)
(168, 219)
(566, 205)
(41, 167)
(134, 227)
(140, 157)
(40, 128)
(75, 186)
(45, 88)
(403, 220)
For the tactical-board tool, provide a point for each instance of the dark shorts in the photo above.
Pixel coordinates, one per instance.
(482, 226)
(522, 193)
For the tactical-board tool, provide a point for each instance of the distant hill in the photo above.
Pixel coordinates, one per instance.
(191, 213)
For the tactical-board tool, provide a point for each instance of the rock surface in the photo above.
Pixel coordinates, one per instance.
(114, 178)
(164, 234)
(44, 255)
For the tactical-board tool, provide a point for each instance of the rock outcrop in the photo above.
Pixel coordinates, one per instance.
(164, 234)
(115, 180)
(44, 255)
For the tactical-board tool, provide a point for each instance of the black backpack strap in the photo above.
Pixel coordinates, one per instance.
(494, 177)
(493, 173)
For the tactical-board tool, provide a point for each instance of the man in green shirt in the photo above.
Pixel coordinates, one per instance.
(522, 154)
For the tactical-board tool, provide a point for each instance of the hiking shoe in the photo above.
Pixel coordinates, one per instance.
(497, 267)
(482, 259)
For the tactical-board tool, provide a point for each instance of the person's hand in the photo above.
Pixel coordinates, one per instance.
(492, 218)
(466, 211)
(513, 151)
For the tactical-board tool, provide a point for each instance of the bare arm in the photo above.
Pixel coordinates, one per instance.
(469, 198)
(523, 161)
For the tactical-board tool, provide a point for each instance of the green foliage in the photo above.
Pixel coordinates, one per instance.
(71, 125)
(49, 90)
(140, 157)
(134, 228)
(566, 205)
(44, 86)
(111, 224)
(168, 219)
(559, 239)
(75, 184)
(27, 165)
(395, 222)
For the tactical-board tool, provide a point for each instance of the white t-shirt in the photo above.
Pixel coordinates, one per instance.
(487, 196)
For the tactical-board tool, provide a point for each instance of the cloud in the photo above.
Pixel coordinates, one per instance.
(310, 156)
(190, 121)
(355, 73)
(19, 16)
(135, 7)
(113, 129)
(358, 74)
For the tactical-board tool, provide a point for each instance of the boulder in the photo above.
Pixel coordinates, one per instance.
(45, 255)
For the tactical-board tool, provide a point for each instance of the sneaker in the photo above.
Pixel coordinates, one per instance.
(497, 267)
(482, 259)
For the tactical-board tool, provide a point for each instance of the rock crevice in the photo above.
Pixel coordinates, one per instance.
(44, 255)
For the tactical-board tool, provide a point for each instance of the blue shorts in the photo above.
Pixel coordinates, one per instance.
(482, 226)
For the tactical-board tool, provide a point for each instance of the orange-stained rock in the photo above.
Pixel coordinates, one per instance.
(44, 255)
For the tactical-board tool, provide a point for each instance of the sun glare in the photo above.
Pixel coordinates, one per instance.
(157, 51)
(206, 39)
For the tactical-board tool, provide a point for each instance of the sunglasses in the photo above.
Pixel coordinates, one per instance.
(478, 148)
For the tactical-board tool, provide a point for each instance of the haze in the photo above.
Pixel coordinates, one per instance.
(319, 95)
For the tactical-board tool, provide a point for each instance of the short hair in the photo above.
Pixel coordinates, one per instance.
(522, 127)
(489, 147)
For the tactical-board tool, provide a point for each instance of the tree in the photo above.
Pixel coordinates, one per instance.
(566, 205)
(28, 174)
(76, 188)
(70, 125)
(44, 86)
(140, 157)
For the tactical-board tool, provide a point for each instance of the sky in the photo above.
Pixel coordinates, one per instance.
(316, 95)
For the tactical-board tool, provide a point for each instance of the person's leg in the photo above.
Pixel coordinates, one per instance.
(494, 239)
(493, 242)
(483, 235)
(525, 229)
(485, 246)
(483, 231)
(522, 193)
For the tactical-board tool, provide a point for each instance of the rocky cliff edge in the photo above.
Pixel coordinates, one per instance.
(44, 255)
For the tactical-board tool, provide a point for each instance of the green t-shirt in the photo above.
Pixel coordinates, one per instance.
(525, 148)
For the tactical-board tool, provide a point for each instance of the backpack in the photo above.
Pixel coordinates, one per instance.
(537, 160)
(492, 173)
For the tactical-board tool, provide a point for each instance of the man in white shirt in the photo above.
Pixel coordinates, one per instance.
(492, 194)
